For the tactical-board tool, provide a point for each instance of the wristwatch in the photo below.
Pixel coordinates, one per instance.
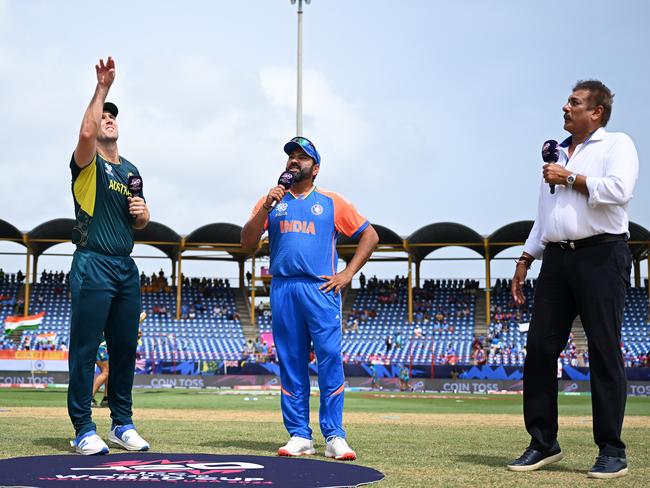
(570, 180)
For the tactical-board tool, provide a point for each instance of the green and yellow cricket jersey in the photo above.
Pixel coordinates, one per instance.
(100, 191)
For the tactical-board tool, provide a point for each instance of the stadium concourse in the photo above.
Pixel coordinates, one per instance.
(404, 320)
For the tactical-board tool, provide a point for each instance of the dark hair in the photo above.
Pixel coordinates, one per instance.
(599, 94)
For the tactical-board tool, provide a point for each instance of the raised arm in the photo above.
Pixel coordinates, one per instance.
(87, 145)
(254, 228)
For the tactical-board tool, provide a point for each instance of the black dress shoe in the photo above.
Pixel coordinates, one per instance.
(533, 459)
(607, 467)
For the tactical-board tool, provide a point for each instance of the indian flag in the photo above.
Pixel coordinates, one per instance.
(31, 322)
(46, 337)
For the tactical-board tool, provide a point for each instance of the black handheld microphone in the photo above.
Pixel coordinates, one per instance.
(135, 185)
(550, 154)
(286, 180)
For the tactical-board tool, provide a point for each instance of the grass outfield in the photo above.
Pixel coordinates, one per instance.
(417, 440)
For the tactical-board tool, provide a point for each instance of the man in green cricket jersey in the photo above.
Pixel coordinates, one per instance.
(104, 280)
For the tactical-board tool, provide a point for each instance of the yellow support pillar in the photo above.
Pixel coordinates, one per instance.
(410, 290)
(34, 269)
(253, 285)
(417, 274)
(242, 281)
(488, 282)
(179, 285)
(27, 273)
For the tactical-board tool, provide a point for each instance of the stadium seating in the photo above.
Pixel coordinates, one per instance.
(439, 341)
(635, 330)
(204, 337)
(215, 332)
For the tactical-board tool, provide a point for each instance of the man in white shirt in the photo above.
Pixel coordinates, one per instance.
(581, 231)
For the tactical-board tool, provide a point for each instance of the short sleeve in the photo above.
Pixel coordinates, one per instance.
(257, 208)
(346, 218)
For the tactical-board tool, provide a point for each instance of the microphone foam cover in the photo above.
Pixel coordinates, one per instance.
(135, 184)
(550, 151)
(286, 180)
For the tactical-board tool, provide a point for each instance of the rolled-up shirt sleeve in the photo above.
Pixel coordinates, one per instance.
(615, 187)
(535, 244)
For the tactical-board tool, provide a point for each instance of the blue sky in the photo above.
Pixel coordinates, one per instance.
(424, 111)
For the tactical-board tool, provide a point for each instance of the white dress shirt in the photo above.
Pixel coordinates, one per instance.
(611, 165)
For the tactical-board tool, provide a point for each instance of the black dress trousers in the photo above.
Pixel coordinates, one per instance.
(592, 282)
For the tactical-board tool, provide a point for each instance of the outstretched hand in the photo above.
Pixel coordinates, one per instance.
(105, 72)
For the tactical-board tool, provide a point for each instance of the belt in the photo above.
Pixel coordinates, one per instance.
(569, 245)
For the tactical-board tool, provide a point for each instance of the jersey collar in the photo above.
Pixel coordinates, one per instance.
(303, 196)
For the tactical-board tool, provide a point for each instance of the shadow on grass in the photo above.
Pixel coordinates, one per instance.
(502, 461)
(56, 443)
(271, 447)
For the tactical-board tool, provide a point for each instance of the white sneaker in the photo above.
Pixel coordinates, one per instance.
(337, 448)
(89, 444)
(297, 446)
(127, 437)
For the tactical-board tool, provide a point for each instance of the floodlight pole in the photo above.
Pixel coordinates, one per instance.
(299, 69)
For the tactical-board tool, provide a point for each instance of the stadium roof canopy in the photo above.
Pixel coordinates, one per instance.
(219, 236)
(508, 236)
(432, 237)
(48, 234)
(389, 241)
(10, 233)
(640, 250)
(161, 237)
(58, 231)
(225, 237)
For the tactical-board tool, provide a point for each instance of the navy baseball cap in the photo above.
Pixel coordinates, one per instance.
(111, 108)
(304, 144)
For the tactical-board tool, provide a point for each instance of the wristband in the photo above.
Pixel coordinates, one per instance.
(268, 209)
(523, 261)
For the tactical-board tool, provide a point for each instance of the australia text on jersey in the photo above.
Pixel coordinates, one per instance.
(119, 187)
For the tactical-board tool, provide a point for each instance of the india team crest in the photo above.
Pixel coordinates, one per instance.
(317, 209)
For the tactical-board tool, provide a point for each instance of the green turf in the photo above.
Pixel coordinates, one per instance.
(411, 455)
(354, 402)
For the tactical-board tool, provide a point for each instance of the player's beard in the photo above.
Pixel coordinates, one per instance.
(302, 173)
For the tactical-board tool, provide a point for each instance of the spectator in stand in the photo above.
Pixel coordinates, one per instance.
(398, 340)
(389, 343)
(362, 281)
(417, 332)
(479, 357)
(264, 352)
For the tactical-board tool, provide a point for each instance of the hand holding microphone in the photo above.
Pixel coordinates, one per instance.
(550, 154)
(137, 205)
(277, 193)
